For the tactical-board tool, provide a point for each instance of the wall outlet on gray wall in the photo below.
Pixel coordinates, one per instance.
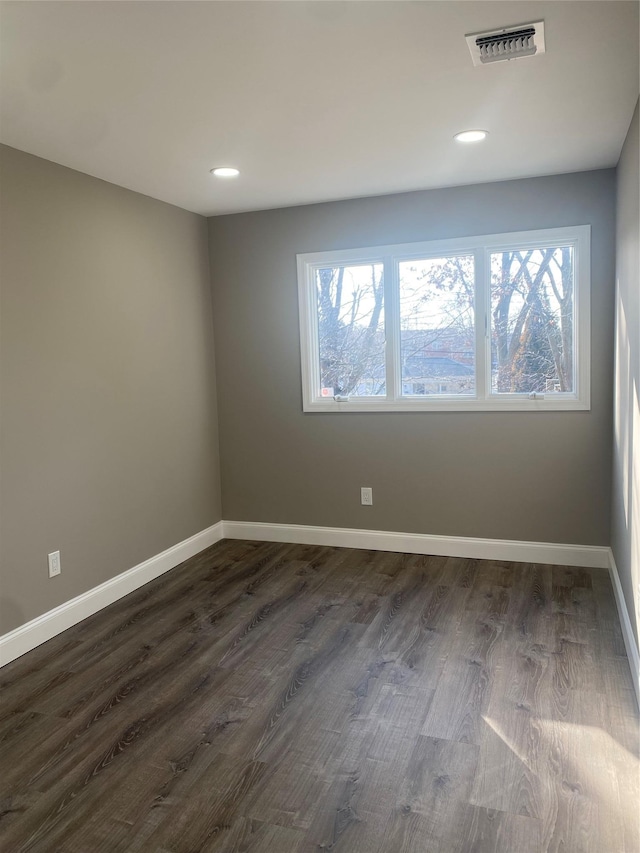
(54, 563)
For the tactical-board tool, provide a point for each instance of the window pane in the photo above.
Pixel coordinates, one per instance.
(351, 330)
(532, 321)
(437, 336)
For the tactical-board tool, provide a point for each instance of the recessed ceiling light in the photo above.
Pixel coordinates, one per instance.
(471, 136)
(225, 172)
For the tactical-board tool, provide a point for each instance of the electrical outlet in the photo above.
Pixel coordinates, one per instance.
(366, 496)
(54, 563)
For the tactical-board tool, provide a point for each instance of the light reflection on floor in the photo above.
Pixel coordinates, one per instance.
(579, 780)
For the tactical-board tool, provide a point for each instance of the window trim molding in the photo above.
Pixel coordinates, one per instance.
(481, 246)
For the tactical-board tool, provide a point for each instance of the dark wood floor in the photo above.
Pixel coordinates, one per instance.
(289, 699)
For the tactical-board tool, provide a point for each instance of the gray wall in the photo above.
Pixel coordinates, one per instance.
(109, 425)
(539, 476)
(625, 515)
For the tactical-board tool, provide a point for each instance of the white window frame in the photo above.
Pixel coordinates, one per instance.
(579, 237)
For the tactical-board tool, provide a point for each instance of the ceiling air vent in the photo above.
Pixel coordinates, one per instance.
(505, 44)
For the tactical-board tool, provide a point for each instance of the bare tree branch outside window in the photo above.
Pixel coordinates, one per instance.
(351, 330)
(532, 320)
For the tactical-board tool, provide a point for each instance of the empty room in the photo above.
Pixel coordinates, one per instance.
(319, 422)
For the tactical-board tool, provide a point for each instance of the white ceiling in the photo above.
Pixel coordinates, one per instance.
(311, 100)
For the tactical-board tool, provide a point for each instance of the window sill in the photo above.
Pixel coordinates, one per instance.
(502, 405)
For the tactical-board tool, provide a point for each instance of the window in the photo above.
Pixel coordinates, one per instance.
(498, 322)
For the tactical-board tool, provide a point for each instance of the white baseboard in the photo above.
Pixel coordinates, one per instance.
(587, 556)
(625, 623)
(43, 628)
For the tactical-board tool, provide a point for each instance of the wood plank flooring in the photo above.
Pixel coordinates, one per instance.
(289, 699)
